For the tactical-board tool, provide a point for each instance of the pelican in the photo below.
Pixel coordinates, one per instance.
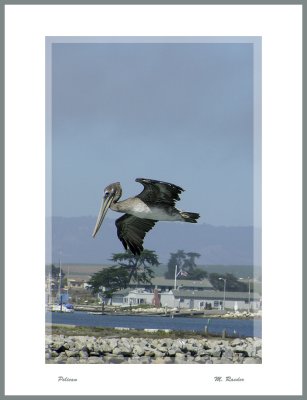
(155, 203)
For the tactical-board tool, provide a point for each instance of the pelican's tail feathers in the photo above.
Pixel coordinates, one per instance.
(189, 216)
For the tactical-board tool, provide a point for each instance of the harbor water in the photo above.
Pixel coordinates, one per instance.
(233, 327)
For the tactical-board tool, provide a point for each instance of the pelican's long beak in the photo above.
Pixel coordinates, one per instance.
(106, 202)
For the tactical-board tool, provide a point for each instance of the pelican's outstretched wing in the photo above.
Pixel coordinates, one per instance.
(132, 230)
(159, 192)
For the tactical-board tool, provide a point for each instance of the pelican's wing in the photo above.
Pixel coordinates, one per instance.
(159, 192)
(132, 230)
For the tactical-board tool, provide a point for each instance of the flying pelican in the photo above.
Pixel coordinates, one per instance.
(155, 203)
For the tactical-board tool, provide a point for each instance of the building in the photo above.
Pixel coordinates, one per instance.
(189, 299)
(214, 299)
(166, 285)
(76, 282)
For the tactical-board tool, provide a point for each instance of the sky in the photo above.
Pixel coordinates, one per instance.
(176, 112)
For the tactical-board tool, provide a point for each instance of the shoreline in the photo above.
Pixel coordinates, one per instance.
(81, 330)
(169, 312)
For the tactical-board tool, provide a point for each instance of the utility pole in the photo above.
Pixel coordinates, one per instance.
(175, 281)
(223, 279)
(49, 288)
(60, 284)
(249, 294)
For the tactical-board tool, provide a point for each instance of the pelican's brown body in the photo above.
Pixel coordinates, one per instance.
(155, 203)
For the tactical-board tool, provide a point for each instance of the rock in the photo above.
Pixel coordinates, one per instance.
(203, 342)
(216, 351)
(145, 360)
(125, 351)
(158, 354)
(150, 353)
(137, 349)
(105, 348)
(168, 360)
(74, 349)
(83, 348)
(139, 360)
(200, 360)
(94, 360)
(48, 340)
(116, 351)
(192, 348)
(114, 360)
(180, 344)
(69, 343)
(216, 360)
(203, 353)
(89, 346)
(60, 348)
(61, 358)
(125, 342)
(72, 353)
(158, 360)
(171, 352)
(83, 354)
(163, 343)
(227, 353)
(251, 360)
(208, 360)
(251, 351)
(162, 349)
(97, 349)
(241, 350)
(258, 344)
(72, 360)
(94, 353)
(236, 342)
(113, 343)
(180, 357)
(238, 358)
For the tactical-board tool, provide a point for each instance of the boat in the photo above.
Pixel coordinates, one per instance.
(62, 308)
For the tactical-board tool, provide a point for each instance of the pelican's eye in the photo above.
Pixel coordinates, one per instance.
(108, 192)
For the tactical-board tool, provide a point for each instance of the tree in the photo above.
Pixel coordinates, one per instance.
(185, 262)
(197, 274)
(139, 267)
(55, 271)
(189, 262)
(232, 283)
(175, 259)
(112, 278)
(55, 274)
(128, 266)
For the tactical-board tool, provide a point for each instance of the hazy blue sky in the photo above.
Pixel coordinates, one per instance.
(178, 112)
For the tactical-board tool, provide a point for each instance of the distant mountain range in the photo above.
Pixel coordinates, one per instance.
(72, 242)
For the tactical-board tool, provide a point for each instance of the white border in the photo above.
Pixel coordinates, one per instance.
(281, 30)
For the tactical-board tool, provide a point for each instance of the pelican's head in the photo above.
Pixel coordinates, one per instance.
(112, 193)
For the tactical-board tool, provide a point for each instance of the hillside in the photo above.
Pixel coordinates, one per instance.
(72, 241)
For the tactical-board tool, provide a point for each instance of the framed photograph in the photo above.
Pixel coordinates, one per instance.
(151, 177)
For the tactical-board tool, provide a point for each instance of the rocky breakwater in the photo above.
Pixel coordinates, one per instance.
(242, 315)
(91, 350)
